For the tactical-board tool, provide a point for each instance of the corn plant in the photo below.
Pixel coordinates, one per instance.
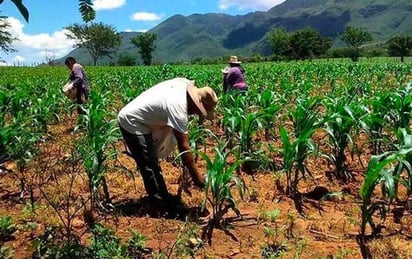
(198, 134)
(22, 149)
(241, 123)
(269, 104)
(377, 173)
(234, 107)
(342, 121)
(7, 133)
(404, 147)
(45, 111)
(297, 146)
(220, 178)
(384, 170)
(374, 122)
(400, 103)
(249, 125)
(100, 133)
(380, 171)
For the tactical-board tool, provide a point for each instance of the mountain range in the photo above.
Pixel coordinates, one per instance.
(184, 38)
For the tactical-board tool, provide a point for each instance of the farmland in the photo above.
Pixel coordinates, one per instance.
(313, 162)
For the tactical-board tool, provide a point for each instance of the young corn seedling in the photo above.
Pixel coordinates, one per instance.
(220, 179)
(299, 145)
(269, 104)
(400, 104)
(21, 147)
(342, 119)
(198, 134)
(380, 171)
(233, 109)
(404, 148)
(385, 170)
(375, 123)
(100, 132)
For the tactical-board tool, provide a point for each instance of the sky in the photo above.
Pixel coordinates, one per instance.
(43, 37)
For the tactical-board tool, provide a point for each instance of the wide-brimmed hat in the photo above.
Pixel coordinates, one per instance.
(234, 60)
(225, 70)
(204, 98)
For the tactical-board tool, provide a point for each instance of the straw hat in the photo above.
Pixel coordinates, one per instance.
(205, 99)
(234, 60)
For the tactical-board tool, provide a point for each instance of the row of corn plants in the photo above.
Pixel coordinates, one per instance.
(289, 100)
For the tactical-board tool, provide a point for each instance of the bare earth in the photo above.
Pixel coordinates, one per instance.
(327, 230)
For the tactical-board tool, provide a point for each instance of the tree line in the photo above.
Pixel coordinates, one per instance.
(307, 43)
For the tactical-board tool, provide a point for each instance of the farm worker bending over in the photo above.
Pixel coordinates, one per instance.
(234, 76)
(79, 79)
(155, 121)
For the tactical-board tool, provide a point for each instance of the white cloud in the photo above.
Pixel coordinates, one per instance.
(32, 49)
(138, 30)
(261, 5)
(107, 4)
(146, 17)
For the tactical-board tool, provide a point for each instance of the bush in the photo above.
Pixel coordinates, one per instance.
(126, 60)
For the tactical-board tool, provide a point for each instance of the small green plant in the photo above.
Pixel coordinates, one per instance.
(343, 119)
(220, 178)
(7, 228)
(300, 246)
(6, 252)
(137, 245)
(187, 242)
(271, 215)
(298, 145)
(51, 245)
(272, 248)
(291, 222)
(342, 253)
(100, 133)
(104, 244)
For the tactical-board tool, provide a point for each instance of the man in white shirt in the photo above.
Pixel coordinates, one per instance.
(155, 121)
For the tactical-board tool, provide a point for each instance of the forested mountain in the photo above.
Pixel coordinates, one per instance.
(183, 38)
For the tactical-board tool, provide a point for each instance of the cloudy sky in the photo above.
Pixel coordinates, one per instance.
(43, 36)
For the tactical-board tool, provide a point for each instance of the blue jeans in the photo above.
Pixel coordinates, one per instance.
(142, 151)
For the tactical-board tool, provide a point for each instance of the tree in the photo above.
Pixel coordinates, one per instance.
(145, 43)
(50, 58)
(126, 60)
(279, 41)
(308, 43)
(354, 38)
(85, 8)
(5, 37)
(400, 45)
(98, 38)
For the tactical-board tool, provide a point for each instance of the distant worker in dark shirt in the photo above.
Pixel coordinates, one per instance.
(234, 76)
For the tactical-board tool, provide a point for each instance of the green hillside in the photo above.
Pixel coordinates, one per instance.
(183, 38)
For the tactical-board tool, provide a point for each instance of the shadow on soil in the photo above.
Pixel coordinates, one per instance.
(145, 208)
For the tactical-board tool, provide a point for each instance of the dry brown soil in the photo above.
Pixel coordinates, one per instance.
(328, 228)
